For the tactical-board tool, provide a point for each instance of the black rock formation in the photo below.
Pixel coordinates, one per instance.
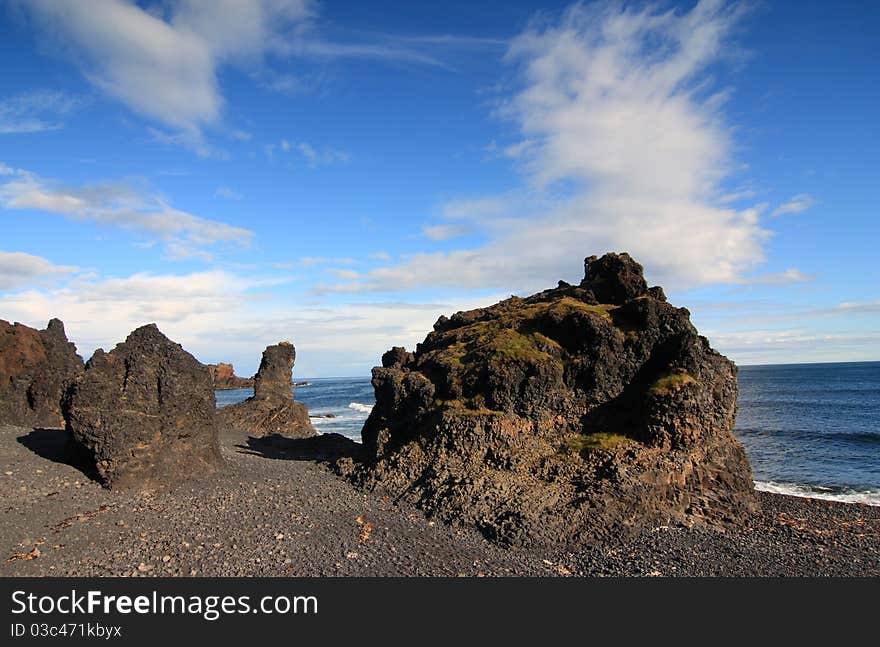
(143, 414)
(564, 417)
(271, 410)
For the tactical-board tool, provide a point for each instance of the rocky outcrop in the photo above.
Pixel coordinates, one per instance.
(570, 416)
(271, 410)
(36, 368)
(143, 414)
(223, 377)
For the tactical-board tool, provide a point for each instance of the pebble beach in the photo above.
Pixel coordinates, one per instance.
(265, 516)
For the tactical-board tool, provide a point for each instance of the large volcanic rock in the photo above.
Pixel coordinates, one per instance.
(144, 413)
(271, 410)
(569, 416)
(36, 368)
(223, 377)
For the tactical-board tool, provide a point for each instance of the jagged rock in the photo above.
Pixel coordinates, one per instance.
(271, 410)
(569, 416)
(397, 356)
(36, 368)
(143, 413)
(223, 377)
(274, 378)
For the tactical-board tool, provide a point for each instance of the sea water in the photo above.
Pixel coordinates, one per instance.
(813, 429)
(808, 429)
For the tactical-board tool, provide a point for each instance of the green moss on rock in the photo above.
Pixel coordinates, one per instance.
(670, 382)
(594, 442)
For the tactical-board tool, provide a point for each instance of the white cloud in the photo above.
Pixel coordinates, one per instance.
(35, 111)
(119, 206)
(445, 232)
(18, 269)
(313, 261)
(162, 61)
(228, 193)
(624, 148)
(345, 275)
(192, 139)
(312, 156)
(791, 275)
(796, 204)
(222, 316)
(324, 157)
(787, 346)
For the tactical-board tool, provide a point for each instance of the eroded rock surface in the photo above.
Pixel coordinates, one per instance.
(144, 413)
(271, 410)
(223, 376)
(36, 368)
(563, 417)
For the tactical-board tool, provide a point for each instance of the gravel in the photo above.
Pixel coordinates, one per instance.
(275, 517)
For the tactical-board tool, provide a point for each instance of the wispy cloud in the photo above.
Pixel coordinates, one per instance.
(623, 147)
(796, 204)
(36, 111)
(18, 269)
(220, 315)
(773, 346)
(791, 275)
(445, 232)
(325, 157)
(163, 61)
(314, 157)
(121, 206)
(228, 193)
(191, 139)
(313, 261)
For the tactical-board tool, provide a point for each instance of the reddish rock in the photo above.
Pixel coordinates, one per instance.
(271, 410)
(223, 377)
(36, 368)
(144, 413)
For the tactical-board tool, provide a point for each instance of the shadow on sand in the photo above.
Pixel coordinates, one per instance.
(55, 445)
(325, 448)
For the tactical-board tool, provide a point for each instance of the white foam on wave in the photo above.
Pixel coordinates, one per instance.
(868, 497)
(357, 406)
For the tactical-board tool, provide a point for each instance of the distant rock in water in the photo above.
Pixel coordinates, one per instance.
(271, 410)
(36, 368)
(566, 417)
(223, 377)
(144, 413)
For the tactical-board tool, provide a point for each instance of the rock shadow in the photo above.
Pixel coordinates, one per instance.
(325, 448)
(56, 445)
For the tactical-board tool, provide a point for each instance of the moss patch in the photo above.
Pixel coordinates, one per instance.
(565, 305)
(510, 344)
(593, 442)
(466, 408)
(670, 382)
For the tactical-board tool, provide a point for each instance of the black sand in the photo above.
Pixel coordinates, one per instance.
(273, 517)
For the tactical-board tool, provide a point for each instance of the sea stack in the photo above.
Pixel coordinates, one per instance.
(143, 414)
(36, 368)
(223, 377)
(271, 410)
(573, 415)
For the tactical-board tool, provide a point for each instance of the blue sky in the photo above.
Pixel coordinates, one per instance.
(340, 174)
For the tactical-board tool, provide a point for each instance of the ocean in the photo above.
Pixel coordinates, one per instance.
(808, 429)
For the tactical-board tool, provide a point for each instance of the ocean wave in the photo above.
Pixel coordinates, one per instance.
(357, 406)
(870, 437)
(846, 495)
